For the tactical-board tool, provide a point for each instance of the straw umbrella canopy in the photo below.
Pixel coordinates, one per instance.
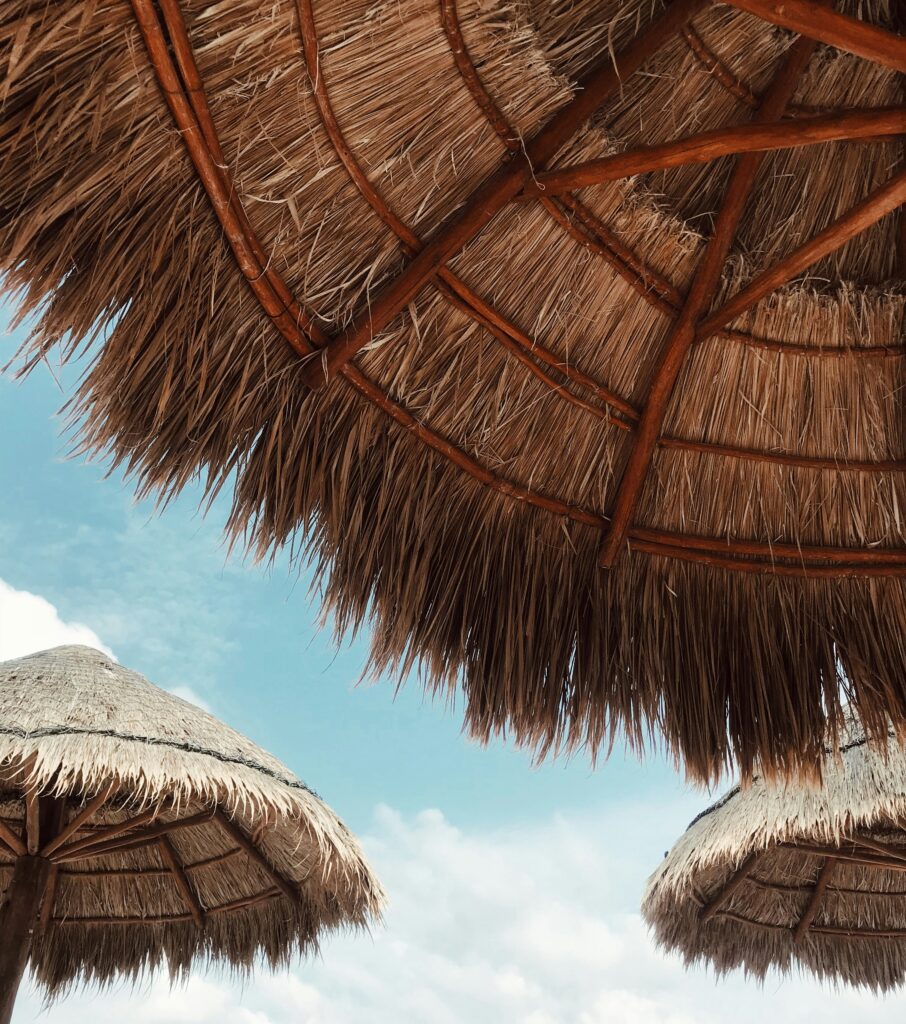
(796, 877)
(565, 335)
(137, 830)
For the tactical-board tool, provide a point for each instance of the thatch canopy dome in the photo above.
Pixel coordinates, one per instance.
(795, 877)
(604, 425)
(164, 836)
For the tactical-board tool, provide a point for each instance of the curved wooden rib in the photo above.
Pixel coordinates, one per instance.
(704, 285)
(498, 190)
(755, 137)
(170, 858)
(525, 349)
(85, 815)
(811, 909)
(878, 204)
(198, 140)
(817, 21)
(774, 458)
(728, 888)
(716, 67)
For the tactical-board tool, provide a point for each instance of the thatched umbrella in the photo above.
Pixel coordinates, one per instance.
(791, 876)
(566, 334)
(137, 829)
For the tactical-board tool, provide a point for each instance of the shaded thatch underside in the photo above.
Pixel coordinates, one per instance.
(738, 890)
(104, 226)
(267, 865)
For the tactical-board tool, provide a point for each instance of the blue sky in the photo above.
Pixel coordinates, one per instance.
(514, 888)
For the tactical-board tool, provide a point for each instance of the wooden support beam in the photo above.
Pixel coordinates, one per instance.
(843, 126)
(284, 884)
(729, 887)
(816, 21)
(885, 849)
(32, 822)
(814, 902)
(107, 834)
(497, 191)
(11, 840)
(850, 855)
(50, 897)
(144, 837)
(704, 286)
(878, 204)
(182, 882)
(83, 816)
(18, 922)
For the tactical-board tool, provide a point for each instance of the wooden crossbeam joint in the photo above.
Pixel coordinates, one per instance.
(284, 884)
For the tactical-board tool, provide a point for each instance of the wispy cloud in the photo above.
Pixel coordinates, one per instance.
(30, 623)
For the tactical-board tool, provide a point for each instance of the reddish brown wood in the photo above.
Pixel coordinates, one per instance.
(860, 933)
(80, 819)
(875, 206)
(11, 840)
(246, 901)
(728, 888)
(811, 909)
(885, 849)
(849, 854)
(816, 462)
(284, 884)
(18, 923)
(716, 67)
(449, 285)
(819, 22)
(170, 858)
(850, 125)
(837, 570)
(449, 17)
(700, 295)
(808, 351)
(498, 190)
(802, 553)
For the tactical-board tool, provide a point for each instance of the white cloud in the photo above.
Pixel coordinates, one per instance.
(29, 623)
(533, 924)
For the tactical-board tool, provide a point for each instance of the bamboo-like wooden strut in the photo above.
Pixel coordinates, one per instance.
(728, 888)
(456, 291)
(168, 853)
(50, 897)
(850, 125)
(704, 285)
(498, 190)
(850, 855)
(80, 819)
(11, 840)
(221, 908)
(816, 21)
(287, 887)
(814, 902)
(184, 114)
(885, 849)
(878, 204)
(716, 67)
(108, 833)
(32, 822)
(142, 837)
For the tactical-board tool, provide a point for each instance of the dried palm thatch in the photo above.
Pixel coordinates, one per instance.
(137, 829)
(785, 876)
(604, 425)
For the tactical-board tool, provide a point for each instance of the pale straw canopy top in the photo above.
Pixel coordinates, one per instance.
(796, 877)
(169, 835)
(566, 336)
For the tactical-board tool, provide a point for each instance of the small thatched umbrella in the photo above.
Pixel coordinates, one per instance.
(784, 876)
(566, 334)
(137, 829)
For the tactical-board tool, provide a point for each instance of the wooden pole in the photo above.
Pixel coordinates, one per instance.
(728, 888)
(704, 285)
(18, 923)
(811, 910)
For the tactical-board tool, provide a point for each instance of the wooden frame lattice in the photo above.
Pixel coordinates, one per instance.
(169, 48)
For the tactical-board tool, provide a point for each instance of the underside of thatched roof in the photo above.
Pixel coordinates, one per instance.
(530, 466)
(795, 878)
(171, 839)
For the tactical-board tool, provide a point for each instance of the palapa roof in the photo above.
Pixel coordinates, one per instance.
(795, 877)
(547, 464)
(176, 839)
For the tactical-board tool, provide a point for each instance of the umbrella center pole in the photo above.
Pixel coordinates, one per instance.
(18, 925)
